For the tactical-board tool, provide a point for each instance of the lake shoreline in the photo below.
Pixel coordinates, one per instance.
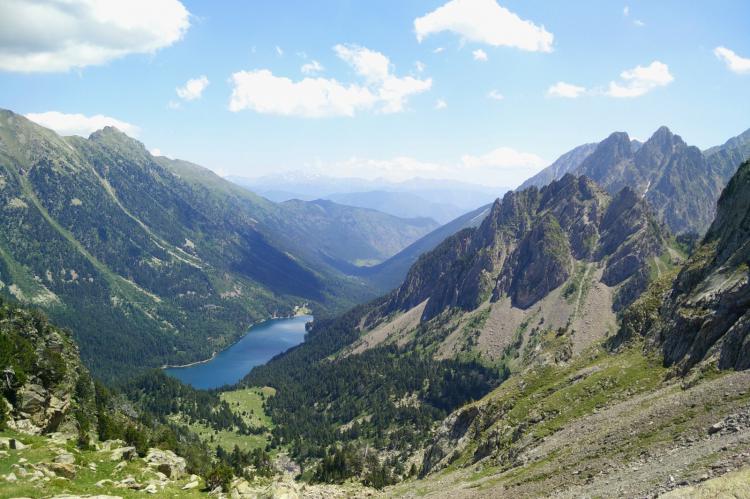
(302, 312)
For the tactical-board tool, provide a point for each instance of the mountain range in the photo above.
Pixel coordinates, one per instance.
(681, 182)
(441, 200)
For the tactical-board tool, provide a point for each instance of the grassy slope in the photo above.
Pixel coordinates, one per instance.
(42, 450)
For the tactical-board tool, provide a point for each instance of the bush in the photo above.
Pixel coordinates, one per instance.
(220, 476)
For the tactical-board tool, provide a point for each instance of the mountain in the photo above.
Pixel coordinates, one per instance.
(389, 274)
(533, 242)
(653, 409)
(400, 204)
(148, 267)
(326, 234)
(679, 181)
(441, 200)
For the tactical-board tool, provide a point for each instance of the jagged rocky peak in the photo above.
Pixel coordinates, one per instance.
(529, 245)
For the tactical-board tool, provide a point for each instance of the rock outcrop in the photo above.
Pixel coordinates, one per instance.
(43, 382)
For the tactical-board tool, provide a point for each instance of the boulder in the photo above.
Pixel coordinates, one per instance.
(191, 485)
(123, 453)
(31, 398)
(63, 470)
(65, 458)
(167, 462)
(17, 444)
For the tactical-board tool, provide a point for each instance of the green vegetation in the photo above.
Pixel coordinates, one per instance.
(93, 467)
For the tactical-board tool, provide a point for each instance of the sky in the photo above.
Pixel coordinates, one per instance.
(475, 90)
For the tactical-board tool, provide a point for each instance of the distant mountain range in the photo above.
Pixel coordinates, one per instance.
(441, 200)
(679, 181)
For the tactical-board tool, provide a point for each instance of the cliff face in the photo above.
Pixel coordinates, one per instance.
(528, 245)
(707, 314)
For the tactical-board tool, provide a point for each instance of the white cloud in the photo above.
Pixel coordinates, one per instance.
(639, 23)
(279, 51)
(479, 55)
(565, 90)
(484, 21)
(503, 166)
(311, 67)
(155, 151)
(370, 64)
(626, 11)
(438, 50)
(193, 89)
(263, 92)
(440, 104)
(495, 95)
(420, 66)
(53, 35)
(733, 61)
(641, 80)
(79, 124)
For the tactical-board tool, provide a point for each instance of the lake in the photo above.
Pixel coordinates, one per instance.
(262, 342)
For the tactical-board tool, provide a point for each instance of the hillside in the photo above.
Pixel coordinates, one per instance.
(679, 181)
(661, 406)
(149, 268)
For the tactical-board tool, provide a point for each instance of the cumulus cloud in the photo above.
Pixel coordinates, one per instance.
(193, 89)
(370, 64)
(311, 67)
(51, 35)
(479, 55)
(264, 92)
(640, 80)
(733, 61)
(79, 124)
(440, 104)
(565, 90)
(487, 22)
(502, 166)
(495, 95)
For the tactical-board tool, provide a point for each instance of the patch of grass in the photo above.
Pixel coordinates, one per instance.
(249, 403)
(42, 450)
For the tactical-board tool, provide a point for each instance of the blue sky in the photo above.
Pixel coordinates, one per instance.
(392, 99)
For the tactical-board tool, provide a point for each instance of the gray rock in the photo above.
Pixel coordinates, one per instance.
(167, 462)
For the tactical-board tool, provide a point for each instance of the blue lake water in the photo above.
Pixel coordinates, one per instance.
(262, 342)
